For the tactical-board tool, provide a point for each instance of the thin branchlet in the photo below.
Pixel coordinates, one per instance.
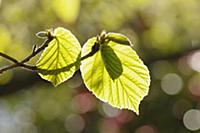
(8, 57)
(17, 63)
(101, 39)
(94, 49)
(36, 51)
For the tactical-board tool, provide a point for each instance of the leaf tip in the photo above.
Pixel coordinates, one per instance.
(55, 84)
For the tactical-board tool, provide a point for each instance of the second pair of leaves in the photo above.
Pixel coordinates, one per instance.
(114, 73)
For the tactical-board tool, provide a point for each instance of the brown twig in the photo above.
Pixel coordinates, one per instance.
(8, 57)
(28, 58)
(35, 51)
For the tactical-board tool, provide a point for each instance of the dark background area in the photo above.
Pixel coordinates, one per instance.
(166, 35)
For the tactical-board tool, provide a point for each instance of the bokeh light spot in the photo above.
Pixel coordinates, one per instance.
(109, 126)
(194, 61)
(146, 129)
(125, 116)
(83, 103)
(24, 114)
(191, 119)
(74, 123)
(110, 111)
(194, 85)
(171, 84)
(183, 66)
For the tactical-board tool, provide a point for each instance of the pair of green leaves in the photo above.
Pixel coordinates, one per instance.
(112, 70)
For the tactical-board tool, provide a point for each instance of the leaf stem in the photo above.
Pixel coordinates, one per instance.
(94, 49)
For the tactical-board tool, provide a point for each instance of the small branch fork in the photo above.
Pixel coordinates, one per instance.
(17, 63)
(49, 37)
(36, 51)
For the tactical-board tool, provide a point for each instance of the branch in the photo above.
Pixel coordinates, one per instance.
(35, 51)
(94, 49)
(22, 63)
(14, 61)
(8, 57)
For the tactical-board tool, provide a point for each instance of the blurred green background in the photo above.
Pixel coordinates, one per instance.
(166, 35)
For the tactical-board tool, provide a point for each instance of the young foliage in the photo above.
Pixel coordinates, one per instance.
(61, 58)
(115, 74)
(110, 68)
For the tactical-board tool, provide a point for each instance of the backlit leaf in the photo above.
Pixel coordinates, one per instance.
(61, 58)
(115, 74)
(118, 38)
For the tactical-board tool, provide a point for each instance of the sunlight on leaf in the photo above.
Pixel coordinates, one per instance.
(61, 58)
(67, 10)
(115, 74)
(118, 38)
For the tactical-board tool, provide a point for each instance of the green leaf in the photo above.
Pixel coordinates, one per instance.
(115, 74)
(42, 34)
(61, 58)
(118, 38)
